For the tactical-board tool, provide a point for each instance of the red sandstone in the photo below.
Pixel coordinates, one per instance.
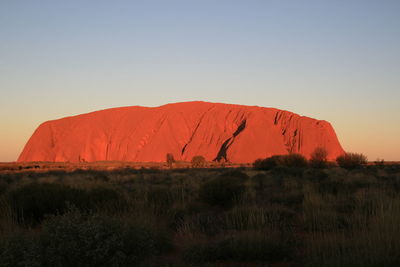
(236, 133)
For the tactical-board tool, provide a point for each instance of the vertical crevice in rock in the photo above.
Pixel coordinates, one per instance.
(222, 152)
(277, 116)
(183, 149)
(195, 130)
(225, 146)
(107, 149)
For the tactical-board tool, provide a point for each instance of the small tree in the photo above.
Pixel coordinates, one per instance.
(293, 160)
(319, 158)
(198, 162)
(170, 159)
(351, 160)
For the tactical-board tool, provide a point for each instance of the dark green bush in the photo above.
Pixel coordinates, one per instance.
(294, 160)
(222, 191)
(76, 239)
(267, 163)
(93, 240)
(351, 160)
(32, 202)
(290, 160)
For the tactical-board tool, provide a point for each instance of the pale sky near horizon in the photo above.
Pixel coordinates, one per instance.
(333, 60)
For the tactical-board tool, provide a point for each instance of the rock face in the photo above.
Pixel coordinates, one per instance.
(234, 133)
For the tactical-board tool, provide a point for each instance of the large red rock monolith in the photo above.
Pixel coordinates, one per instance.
(236, 133)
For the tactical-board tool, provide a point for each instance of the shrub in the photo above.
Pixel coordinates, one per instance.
(267, 163)
(198, 162)
(294, 160)
(32, 202)
(222, 191)
(319, 158)
(76, 239)
(291, 160)
(351, 160)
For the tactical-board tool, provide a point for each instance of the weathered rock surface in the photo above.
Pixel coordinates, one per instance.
(216, 131)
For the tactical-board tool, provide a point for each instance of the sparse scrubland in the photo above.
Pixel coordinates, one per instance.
(286, 211)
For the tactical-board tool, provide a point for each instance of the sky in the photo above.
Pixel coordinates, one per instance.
(336, 60)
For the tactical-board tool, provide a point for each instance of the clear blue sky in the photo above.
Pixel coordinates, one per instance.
(332, 60)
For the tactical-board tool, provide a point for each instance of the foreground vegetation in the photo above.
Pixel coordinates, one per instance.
(285, 214)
